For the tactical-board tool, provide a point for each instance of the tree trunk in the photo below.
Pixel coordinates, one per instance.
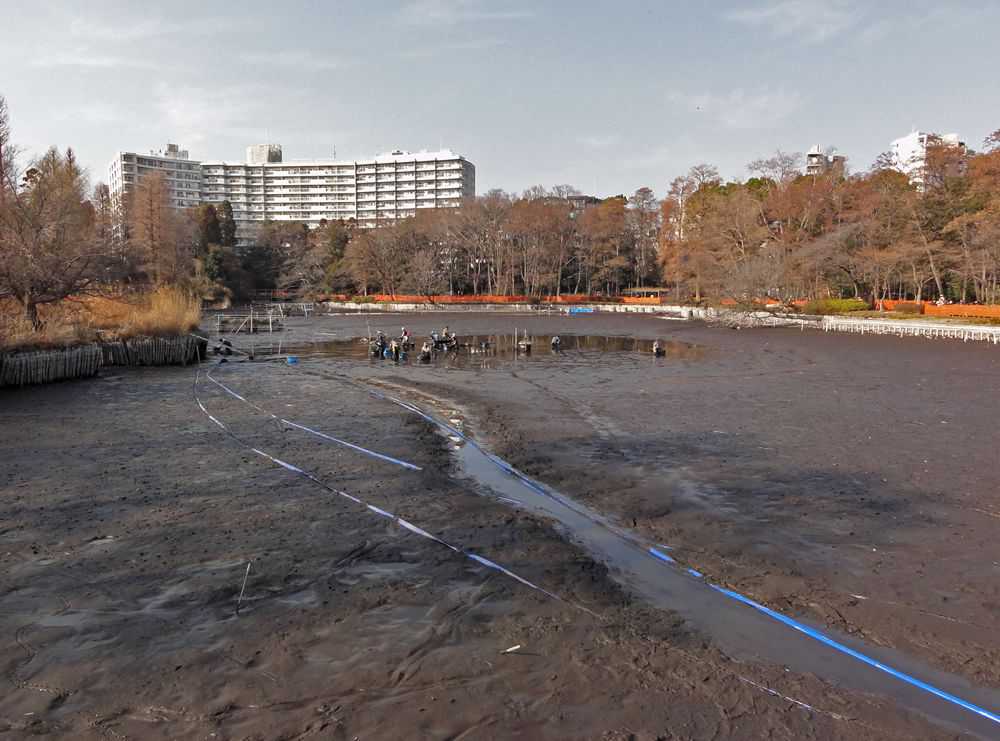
(31, 314)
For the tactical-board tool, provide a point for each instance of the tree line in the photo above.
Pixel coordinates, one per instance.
(873, 235)
(777, 234)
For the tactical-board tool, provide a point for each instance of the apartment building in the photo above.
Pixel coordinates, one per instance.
(909, 153)
(181, 174)
(390, 186)
(820, 162)
(387, 187)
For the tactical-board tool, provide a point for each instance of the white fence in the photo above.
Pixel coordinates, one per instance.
(914, 328)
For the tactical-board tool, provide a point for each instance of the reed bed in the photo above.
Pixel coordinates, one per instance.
(79, 335)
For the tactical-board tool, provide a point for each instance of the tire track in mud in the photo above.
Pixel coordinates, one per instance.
(14, 675)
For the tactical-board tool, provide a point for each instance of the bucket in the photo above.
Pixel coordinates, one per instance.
(293, 360)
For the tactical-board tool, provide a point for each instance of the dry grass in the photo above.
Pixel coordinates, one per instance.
(16, 332)
(164, 312)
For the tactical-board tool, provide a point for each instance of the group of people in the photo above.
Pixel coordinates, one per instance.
(398, 348)
(395, 349)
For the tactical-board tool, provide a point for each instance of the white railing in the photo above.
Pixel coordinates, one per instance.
(913, 328)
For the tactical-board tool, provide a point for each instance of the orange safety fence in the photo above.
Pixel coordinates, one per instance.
(980, 311)
(580, 298)
(929, 308)
(889, 304)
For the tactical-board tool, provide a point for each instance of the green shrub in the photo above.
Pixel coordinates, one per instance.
(909, 308)
(834, 306)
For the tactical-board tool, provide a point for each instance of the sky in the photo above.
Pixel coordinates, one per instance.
(608, 97)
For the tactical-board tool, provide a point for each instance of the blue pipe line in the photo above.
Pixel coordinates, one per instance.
(837, 646)
(812, 633)
(662, 556)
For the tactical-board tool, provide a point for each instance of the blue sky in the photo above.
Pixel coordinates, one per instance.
(606, 96)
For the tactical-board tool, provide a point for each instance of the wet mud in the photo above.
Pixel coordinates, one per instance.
(128, 519)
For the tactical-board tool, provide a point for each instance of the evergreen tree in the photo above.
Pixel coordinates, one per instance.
(227, 224)
(209, 228)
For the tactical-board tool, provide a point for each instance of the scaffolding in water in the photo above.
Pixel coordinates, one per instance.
(251, 321)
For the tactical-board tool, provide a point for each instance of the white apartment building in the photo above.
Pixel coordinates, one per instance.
(909, 153)
(182, 175)
(387, 187)
(264, 188)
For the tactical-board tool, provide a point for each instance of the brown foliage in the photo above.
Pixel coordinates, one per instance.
(168, 311)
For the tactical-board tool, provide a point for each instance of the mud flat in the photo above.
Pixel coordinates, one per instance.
(853, 477)
(124, 545)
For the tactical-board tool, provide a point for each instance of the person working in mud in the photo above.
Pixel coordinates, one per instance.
(379, 345)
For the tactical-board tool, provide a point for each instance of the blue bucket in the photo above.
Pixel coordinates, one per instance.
(293, 360)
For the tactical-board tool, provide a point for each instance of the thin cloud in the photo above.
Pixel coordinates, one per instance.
(657, 158)
(934, 20)
(300, 59)
(93, 113)
(190, 114)
(454, 12)
(452, 46)
(128, 30)
(739, 108)
(90, 30)
(812, 21)
(89, 59)
(598, 141)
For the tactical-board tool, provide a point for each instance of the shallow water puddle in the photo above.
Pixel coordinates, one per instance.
(501, 351)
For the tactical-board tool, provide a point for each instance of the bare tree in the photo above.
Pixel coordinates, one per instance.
(564, 191)
(379, 255)
(643, 216)
(8, 155)
(704, 174)
(885, 161)
(782, 167)
(49, 247)
(161, 238)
